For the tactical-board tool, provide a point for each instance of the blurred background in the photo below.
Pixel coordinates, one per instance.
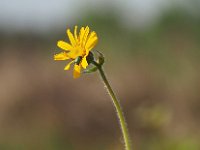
(152, 50)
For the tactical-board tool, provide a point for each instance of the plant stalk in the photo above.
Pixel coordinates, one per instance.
(117, 106)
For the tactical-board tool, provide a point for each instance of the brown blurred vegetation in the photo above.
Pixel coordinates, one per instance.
(155, 73)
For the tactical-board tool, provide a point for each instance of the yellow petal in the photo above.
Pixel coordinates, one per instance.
(75, 52)
(81, 35)
(91, 43)
(92, 35)
(64, 45)
(84, 62)
(75, 33)
(61, 56)
(71, 37)
(87, 30)
(67, 67)
(77, 71)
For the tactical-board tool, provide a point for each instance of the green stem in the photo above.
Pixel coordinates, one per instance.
(117, 107)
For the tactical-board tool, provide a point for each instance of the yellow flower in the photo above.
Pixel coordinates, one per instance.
(78, 49)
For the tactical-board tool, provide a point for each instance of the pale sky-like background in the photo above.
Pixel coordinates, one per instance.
(44, 14)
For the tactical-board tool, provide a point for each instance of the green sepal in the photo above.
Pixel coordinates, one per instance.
(90, 70)
(78, 60)
(90, 57)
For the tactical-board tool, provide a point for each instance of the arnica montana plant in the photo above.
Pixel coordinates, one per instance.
(78, 51)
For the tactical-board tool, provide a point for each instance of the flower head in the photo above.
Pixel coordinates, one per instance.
(78, 49)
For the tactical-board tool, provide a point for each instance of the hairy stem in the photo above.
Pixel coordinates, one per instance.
(117, 105)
